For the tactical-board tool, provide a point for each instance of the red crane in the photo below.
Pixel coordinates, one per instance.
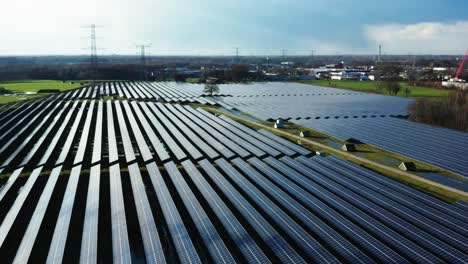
(462, 64)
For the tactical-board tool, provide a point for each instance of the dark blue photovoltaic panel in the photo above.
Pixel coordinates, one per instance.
(424, 213)
(24, 251)
(206, 123)
(216, 247)
(200, 143)
(402, 216)
(184, 245)
(337, 222)
(402, 227)
(340, 245)
(437, 146)
(168, 139)
(214, 143)
(10, 217)
(245, 243)
(268, 234)
(89, 239)
(188, 146)
(297, 173)
(312, 248)
(246, 145)
(405, 190)
(285, 150)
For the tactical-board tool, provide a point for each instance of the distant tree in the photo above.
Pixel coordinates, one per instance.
(392, 87)
(388, 78)
(211, 88)
(239, 72)
(407, 91)
(179, 77)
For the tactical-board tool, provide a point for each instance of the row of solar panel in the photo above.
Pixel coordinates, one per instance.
(173, 131)
(288, 210)
(317, 107)
(437, 146)
(181, 92)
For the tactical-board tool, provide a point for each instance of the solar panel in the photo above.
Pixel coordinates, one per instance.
(155, 142)
(269, 235)
(396, 241)
(402, 202)
(29, 136)
(11, 180)
(149, 233)
(216, 247)
(141, 142)
(184, 245)
(97, 142)
(84, 135)
(214, 143)
(24, 251)
(411, 193)
(245, 243)
(307, 242)
(333, 220)
(19, 113)
(167, 138)
(209, 151)
(188, 146)
(413, 231)
(264, 147)
(285, 150)
(10, 217)
(246, 145)
(289, 144)
(48, 131)
(373, 214)
(120, 242)
(206, 124)
(89, 240)
(440, 147)
(71, 134)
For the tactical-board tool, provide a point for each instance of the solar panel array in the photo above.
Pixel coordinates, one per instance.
(318, 106)
(442, 147)
(142, 181)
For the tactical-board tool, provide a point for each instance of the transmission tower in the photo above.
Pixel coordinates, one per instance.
(93, 50)
(143, 59)
(283, 53)
(237, 54)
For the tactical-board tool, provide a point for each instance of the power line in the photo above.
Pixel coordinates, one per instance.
(93, 50)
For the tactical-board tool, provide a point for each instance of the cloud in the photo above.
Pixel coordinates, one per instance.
(419, 38)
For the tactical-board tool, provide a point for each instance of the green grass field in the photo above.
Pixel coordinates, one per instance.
(369, 86)
(33, 87)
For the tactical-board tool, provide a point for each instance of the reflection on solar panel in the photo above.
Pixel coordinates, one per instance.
(178, 184)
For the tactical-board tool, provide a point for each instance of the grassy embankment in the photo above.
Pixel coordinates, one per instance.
(20, 87)
(369, 86)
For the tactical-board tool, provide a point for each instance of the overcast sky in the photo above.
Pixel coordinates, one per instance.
(215, 27)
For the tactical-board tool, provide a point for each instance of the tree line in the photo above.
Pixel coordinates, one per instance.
(450, 112)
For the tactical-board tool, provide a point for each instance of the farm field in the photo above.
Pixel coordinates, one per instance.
(27, 89)
(162, 175)
(369, 86)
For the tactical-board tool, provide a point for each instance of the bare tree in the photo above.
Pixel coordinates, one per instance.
(407, 91)
(450, 112)
(211, 88)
